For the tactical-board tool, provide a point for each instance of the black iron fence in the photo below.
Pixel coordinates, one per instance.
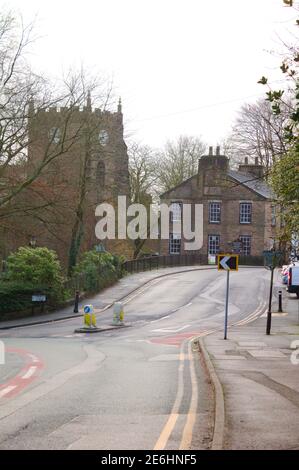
(251, 260)
(93, 281)
(156, 262)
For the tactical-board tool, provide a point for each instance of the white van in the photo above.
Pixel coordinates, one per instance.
(293, 280)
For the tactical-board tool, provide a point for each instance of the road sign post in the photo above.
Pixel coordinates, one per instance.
(227, 263)
(226, 305)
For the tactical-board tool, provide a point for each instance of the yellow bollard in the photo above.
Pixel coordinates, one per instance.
(93, 320)
(118, 313)
(121, 315)
(89, 318)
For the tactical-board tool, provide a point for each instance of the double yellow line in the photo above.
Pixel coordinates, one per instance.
(186, 439)
(192, 412)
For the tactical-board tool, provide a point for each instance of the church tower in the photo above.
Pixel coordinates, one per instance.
(93, 162)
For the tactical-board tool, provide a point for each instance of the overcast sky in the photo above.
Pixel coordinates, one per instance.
(180, 66)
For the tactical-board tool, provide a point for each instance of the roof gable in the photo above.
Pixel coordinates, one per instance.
(178, 187)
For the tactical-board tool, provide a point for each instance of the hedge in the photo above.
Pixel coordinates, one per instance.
(17, 296)
(97, 270)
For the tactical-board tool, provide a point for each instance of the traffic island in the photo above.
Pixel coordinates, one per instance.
(90, 321)
(102, 329)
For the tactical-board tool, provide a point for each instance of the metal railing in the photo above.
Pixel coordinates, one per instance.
(157, 262)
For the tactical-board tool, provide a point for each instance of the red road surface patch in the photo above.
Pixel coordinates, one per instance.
(27, 374)
(174, 340)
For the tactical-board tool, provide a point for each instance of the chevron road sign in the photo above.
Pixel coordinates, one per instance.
(228, 262)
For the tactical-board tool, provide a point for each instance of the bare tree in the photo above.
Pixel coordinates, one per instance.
(259, 133)
(18, 87)
(179, 161)
(143, 182)
(37, 177)
(143, 172)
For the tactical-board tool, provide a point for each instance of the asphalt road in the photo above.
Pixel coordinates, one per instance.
(139, 387)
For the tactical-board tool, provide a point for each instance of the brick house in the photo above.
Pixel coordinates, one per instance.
(237, 206)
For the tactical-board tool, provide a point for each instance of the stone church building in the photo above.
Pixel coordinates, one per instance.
(237, 206)
(91, 168)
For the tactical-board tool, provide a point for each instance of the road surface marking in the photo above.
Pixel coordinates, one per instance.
(191, 417)
(168, 330)
(25, 377)
(159, 319)
(181, 307)
(253, 316)
(168, 357)
(6, 390)
(139, 291)
(33, 358)
(172, 419)
(30, 372)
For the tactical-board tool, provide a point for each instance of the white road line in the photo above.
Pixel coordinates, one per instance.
(29, 373)
(168, 330)
(138, 292)
(187, 305)
(6, 390)
(180, 308)
(159, 319)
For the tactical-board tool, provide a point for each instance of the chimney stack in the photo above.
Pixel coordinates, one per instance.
(218, 150)
(210, 150)
(254, 169)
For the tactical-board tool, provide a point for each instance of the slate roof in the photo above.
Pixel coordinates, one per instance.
(255, 184)
(246, 179)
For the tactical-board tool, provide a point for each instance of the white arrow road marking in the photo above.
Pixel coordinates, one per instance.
(167, 330)
(223, 262)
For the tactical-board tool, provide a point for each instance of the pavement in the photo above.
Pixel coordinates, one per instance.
(255, 381)
(104, 300)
